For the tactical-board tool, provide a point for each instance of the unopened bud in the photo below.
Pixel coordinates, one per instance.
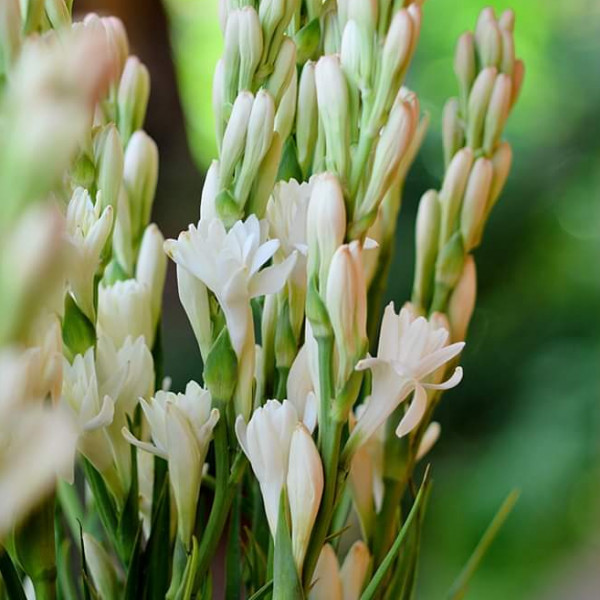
(134, 91)
(151, 268)
(479, 100)
(354, 570)
(326, 225)
(326, 583)
(332, 98)
(364, 12)
(234, 139)
(231, 58)
(501, 161)
(250, 46)
(426, 247)
(508, 52)
(284, 117)
(220, 369)
(58, 13)
(305, 487)
(140, 176)
(218, 101)
(109, 160)
(210, 190)
(490, 44)
(448, 270)
(307, 117)
(258, 142)
(452, 130)
(430, 437)
(462, 301)
(265, 178)
(117, 40)
(346, 301)
(271, 14)
(452, 192)
(357, 54)
(284, 68)
(465, 65)
(507, 20)
(497, 112)
(517, 80)
(473, 212)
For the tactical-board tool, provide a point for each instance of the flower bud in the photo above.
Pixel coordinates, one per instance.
(218, 101)
(210, 190)
(430, 437)
(140, 176)
(101, 567)
(151, 268)
(284, 117)
(354, 570)
(479, 99)
(473, 212)
(452, 130)
(357, 54)
(332, 99)
(517, 80)
(326, 225)
(283, 70)
(258, 141)
(307, 117)
(462, 301)
(234, 139)
(346, 301)
(220, 369)
(507, 64)
(448, 270)
(326, 583)
(426, 246)
(501, 161)
(452, 192)
(489, 43)
(271, 14)
(391, 146)
(109, 159)
(132, 100)
(395, 57)
(465, 67)
(507, 20)
(231, 59)
(250, 46)
(117, 41)
(58, 13)
(497, 112)
(124, 310)
(265, 178)
(305, 488)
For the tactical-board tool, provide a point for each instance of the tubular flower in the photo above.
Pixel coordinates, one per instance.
(411, 350)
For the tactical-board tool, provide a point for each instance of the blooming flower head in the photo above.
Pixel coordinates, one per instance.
(411, 350)
(181, 427)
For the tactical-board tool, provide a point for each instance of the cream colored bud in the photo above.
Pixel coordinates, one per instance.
(357, 54)
(284, 117)
(430, 437)
(271, 13)
(452, 130)
(394, 141)
(140, 176)
(109, 165)
(508, 52)
(490, 44)
(326, 583)
(485, 16)
(354, 570)
(346, 301)
(305, 488)
(258, 142)
(497, 112)
(218, 101)
(234, 139)
(211, 188)
(265, 178)
(501, 161)
(283, 70)
(507, 20)
(364, 12)
(473, 212)
(452, 192)
(231, 57)
(326, 225)
(479, 100)
(426, 247)
(134, 91)
(465, 66)
(151, 268)
(416, 14)
(332, 98)
(307, 117)
(517, 80)
(462, 301)
(250, 46)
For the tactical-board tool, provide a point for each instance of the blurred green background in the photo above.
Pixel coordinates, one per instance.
(527, 415)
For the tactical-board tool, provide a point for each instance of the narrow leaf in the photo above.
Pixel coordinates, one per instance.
(104, 502)
(286, 582)
(460, 585)
(233, 559)
(263, 591)
(133, 586)
(9, 573)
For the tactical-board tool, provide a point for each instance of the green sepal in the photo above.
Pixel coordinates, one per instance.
(227, 208)
(316, 311)
(189, 575)
(289, 167)
(286, 581)
(114, 272)
(78, 332)
(286, 345)
(220, 370)
(307, 41)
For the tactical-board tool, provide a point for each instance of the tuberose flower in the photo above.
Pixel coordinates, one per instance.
(411, 350)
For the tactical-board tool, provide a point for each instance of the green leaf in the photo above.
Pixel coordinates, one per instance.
(373, 587)
(289, 167)
(158, 549)
(66, 581)
(78, 332)
(104, 502)
(11, 578)
(233, 558)
(263, 591)
(129, 521)
(460, 585)
(189, 575)
(134, 583)
(286, 582)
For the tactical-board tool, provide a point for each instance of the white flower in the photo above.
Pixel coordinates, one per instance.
(229, 264)
(411, 350)
(305, 489)
(181, 426)
(124, 309)
(266, 442)
(87, 230)
(301, 390)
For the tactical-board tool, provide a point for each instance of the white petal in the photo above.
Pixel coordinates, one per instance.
(273, 278)
(104, 417)
(438, 358)
(414, 414)
(454, 380)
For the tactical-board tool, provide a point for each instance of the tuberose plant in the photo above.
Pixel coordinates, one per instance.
(293, 464)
